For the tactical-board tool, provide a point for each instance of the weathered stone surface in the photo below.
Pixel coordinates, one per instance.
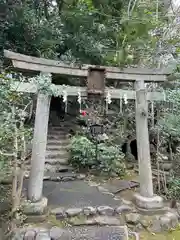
(57, 233)
(46, 178)
(97, 220)
(105, 210)
(173, 217)
(76, 194)
(117, 185)
(155, 202)
(59, 210)
(55, 179)
(139, 227)
(146, 221)
(102, 189)
(90, 221)
(165, 223)
(89, 211)
(18, 236)
(40, 230)
(156, 226)
(64, 168)
(36, 218)
(30, 235)
(93, 184)
(81, 176)
(123, 208)
(35, 208)
(132, 218)
(126, 202)
(99, 233)
(106, 220)
(42, 236)
(57, 168)
(168, 221)
(68, 178)
(71, 212)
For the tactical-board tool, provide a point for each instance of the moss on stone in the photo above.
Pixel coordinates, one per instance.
(77, 220)
(173, 235)
(55, 222)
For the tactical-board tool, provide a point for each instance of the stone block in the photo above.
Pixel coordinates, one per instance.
(57, 233)
(89, 211)
(152, 203)
(30, 235)
(105, 210)
(42, 236)
(168, 221)
(71, 212)
(36, 208)
(132, 218)
(123, 208)
(81, 176)
(106, 220)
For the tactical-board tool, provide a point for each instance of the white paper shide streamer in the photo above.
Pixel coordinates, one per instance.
(65, 99)
(125, 99)
(79, 99)
(108, 100)
(120, 105)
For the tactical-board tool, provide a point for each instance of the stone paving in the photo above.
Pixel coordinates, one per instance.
(70, 197)
(76, 194)
(73, 233)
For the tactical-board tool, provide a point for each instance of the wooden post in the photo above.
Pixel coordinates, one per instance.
(145, 172)
(39, 148)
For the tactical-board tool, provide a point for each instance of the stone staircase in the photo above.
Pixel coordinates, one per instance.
(57, 154)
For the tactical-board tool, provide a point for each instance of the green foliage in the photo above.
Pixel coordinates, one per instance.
(95, 32)
(13, 111)
(82, 152)
(174, 189)
(83, 155)
(169, 124)
(44, 85)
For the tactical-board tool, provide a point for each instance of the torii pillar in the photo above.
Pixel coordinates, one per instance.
(36, 202)
(145, 199)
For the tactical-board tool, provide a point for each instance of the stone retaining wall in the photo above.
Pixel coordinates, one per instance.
(91, 211)
(122, 215)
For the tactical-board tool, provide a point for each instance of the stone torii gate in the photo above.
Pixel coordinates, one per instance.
(146, 198)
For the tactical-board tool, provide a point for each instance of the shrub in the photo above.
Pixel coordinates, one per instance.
(174, 188)
(83, 154)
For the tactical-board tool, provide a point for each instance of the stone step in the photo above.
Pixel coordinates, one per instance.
(57, 154)
(62, 161)
(63, 127)
(59, 176)
(58, 168)
(57, 147)
(58, 133)
(62, 142)
(57, 137)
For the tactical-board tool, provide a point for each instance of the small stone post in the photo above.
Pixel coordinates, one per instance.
(39, 148)
(146, 198)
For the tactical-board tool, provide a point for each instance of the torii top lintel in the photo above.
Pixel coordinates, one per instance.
(21, 61)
